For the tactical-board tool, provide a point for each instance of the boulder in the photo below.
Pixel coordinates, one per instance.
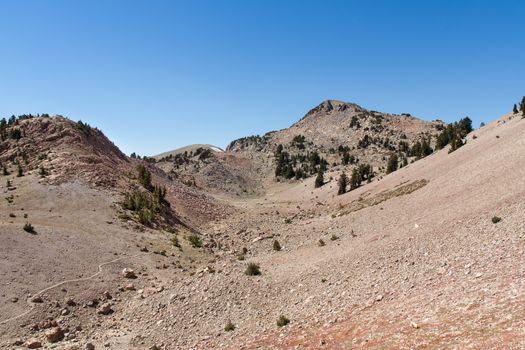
(33, 344)
(128, 273)
(54, 335)
(105, 309)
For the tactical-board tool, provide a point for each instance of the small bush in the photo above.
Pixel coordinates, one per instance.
(195, 241)
(29, 228)
(321, 243)
(11, 215)
(334, 237)
(43, 172)
(20, 172)
(276, 245)
(229, 327)
(282, 321)
(496, 219)
(253, 270)
(175, 241)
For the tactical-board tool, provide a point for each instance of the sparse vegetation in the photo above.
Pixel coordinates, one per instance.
(321, 243)
(253, 270)
(282, 321)
(20, 171)
(229, 326)
(29, 228)
(43, 172)
(84, 128)
(276, 246)
(496, 219)
(175, 241)
(334, 237)
(454, 134)
(194, 240)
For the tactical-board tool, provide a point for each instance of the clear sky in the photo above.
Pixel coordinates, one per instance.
(157, 75)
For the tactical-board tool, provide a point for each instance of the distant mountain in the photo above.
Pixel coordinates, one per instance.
(334, 135)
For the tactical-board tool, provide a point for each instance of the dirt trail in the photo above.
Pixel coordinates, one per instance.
(32, 305)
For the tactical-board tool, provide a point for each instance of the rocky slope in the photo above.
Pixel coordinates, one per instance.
(334, 135)
(416, 259)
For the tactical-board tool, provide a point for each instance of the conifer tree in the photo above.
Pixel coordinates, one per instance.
(319, 180)
(392, 164)
(343, 182)
(355, 179)
(515, 109)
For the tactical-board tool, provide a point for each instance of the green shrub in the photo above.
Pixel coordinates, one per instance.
(175, 241)
(195, 241)
(29, 228)
(229, 326)
(253, 270)
(496, 219)
(144, 204)
(321, 243)
(282, 321)
(43, 172)
(276, 245)
(334, 237)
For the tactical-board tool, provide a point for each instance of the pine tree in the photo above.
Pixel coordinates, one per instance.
(522, 106)
(343, 182)
(392, 164)
(355, 179)
(515, 109)
(144, 177)
(20, 172)
(319, 180)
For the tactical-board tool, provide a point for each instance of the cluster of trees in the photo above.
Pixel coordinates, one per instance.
(144, 158)
(521, 109)
(454, 134)
(298, 166)
(421, 149)
(363, 172)
(146, 204)
(15, 133)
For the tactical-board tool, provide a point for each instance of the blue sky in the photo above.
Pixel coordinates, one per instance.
(157, 75)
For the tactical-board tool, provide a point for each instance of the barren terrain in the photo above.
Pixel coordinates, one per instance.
(411, 260)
